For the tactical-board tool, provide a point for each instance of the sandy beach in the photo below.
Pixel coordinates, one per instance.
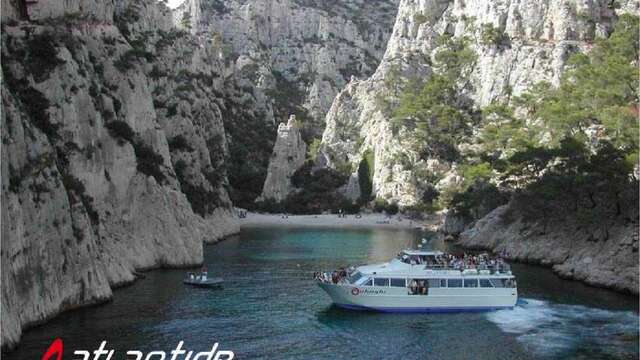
(365, 221)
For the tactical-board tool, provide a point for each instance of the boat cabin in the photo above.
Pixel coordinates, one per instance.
(423, 283)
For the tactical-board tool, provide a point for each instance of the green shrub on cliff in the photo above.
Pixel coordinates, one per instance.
(438, 120)
(42, 55)
(148, 161)
(472, 173)
(306, 202)
(179, 143)
(382, 205)
(477, 199)
(313, 149)
(365, 176)
(129, 58)
(454, 58)
(435, 112)
(317, 192)
(203, 199)
(575, 150)
(320, 181)
(34, 103)
(121, 130)
(493, 36)
(185, 22)
(597, 98)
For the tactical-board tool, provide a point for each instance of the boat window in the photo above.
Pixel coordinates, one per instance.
(485, 283)
(434, 283)
(499, 283)
(398, 282)
(355, 277)
(443, 282)
(369, 282)
(381, 281)
(468, 283)
(455, 283)
(418, 286)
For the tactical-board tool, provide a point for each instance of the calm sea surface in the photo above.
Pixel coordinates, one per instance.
(270, 308)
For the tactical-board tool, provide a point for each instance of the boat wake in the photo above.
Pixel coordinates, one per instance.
(553, 330)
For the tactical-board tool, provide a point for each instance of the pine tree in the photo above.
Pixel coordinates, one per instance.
(186, 21)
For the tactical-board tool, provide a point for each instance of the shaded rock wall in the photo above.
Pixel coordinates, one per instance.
(112, 152)
(606, 256)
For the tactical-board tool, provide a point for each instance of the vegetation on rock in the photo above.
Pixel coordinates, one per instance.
(149, 162)
(553, 150)
(492, 36)
(185, 22)
(251, 141)
(318, 192)
(576, 149)
(435, 110)
(365, 176)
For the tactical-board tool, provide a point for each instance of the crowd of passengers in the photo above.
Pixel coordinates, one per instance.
(335, 277)
(461, 262)
(482, 261)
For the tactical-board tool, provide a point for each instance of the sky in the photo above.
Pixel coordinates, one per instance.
(174, 3)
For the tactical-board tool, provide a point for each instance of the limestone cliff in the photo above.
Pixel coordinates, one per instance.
(295, 54)
(112, 152)
(606, 256)
(287, 57)
(289, 154)
(542, 35)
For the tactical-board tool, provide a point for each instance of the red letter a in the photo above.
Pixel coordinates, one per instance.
(54, 349)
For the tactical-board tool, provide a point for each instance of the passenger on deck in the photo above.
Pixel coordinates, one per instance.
(422, 288)
(413, 287)
(342, 274)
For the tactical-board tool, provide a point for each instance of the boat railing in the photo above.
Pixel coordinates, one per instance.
(490, 269)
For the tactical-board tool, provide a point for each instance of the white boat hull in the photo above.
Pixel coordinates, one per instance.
(397, 299)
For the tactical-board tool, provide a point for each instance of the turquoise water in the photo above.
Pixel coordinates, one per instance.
(270, 308)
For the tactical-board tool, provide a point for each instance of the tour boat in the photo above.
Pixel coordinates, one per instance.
(423, 281)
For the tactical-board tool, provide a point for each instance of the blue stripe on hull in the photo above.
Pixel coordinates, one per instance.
(424, 310)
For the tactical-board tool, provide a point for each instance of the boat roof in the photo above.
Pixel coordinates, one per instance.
(396, 267)
(422, 252)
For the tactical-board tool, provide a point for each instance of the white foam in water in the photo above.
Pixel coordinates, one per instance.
(551, 330)
(523, 318)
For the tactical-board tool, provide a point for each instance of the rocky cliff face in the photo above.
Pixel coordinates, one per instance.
(296, 54)
(542, 35)
(286, 57)
(605, 257)
(289, 154)
(112, 152)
